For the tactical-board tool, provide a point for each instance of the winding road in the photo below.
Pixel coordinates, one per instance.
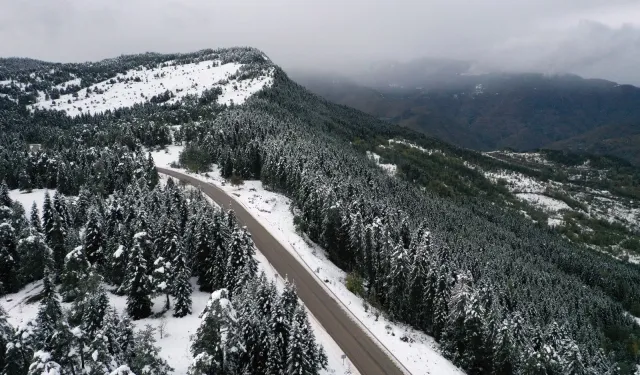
(365, 354)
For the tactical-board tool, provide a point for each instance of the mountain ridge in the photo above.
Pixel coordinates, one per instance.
(494, 111)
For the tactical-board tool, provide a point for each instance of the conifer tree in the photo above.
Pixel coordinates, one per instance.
(55, 238)
(81, 211)
(19, 352)
(181, 288)
(43, 364)
(297, 361)
(47, 215)
(24, 182)
(34, 218)
(145, 357)
(138, 286)
(6, 336)
(33, 255)
(100, 361)
(49, 314)
(5, 199)
(75, 274)
(94, 241)
(125, 337)
(217, 339)
(241, 260)
(9, 271)
(95, 309)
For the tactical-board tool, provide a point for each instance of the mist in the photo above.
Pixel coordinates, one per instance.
(592, 38)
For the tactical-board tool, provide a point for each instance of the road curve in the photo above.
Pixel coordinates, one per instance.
(362, 350)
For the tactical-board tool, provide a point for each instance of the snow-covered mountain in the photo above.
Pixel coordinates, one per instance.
(168, 80)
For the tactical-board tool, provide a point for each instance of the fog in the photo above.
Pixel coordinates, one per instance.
(594, 38)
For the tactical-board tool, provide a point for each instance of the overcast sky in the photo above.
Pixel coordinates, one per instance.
(595, 38)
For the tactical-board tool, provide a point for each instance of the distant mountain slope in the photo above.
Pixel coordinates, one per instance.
(496, 111)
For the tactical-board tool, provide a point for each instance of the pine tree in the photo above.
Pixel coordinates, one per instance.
(297, 361)
(9, 271)
(19, 353)
(100, 360)
(441, 302)
(47, 215)
(5, 199)
(314, 356)
(43, 364)
(81, 208)
(94, 241)
(397, 283)
(203, 252)
(33, 254)
(24, 181)
(34, 218)
(138, 286)
(217, 260)
(241, 260)
(181, 288)
(145, 357)
(119, 259)
(61, 207)
(95, 309)
(6, 336)
(217, 339)
(75, 274)
(55, 238)
(49, 313)
(125, 337)
(110, 330)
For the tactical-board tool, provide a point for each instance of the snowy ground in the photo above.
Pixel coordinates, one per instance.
(27, 199)
(141, 84)
(174, 343)
(419, 354)
(389, 168)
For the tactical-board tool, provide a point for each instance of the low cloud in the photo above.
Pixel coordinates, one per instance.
(539, 35)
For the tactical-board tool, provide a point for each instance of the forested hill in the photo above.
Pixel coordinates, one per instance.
(489, 112)
(501, 295)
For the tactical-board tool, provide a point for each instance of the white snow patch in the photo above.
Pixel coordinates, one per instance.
(517, 182)
(27, 199)
(389, 168)
(544, 202)
(141, 84)
(413, 145)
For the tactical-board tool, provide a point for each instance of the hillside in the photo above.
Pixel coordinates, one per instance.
(495, 111)
(436, 240)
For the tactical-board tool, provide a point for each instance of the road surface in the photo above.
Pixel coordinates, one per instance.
(362, 350)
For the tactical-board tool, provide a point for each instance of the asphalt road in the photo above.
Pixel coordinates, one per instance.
(363, 351)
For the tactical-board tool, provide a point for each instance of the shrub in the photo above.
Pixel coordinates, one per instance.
(355, 284)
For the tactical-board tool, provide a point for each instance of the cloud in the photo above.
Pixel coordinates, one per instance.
(591, 49)
(330, 33)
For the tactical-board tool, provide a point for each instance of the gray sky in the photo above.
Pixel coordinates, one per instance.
(596, 38)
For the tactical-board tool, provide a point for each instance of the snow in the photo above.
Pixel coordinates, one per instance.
(517, 182)
(174, 345)
(415, 146)
(389, 168)
(139, 85)
(419, 354)
(27, 199)
(554, 222)
(164, 158)
(544, 202)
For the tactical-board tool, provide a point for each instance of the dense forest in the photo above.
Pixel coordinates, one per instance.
(500, 295)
